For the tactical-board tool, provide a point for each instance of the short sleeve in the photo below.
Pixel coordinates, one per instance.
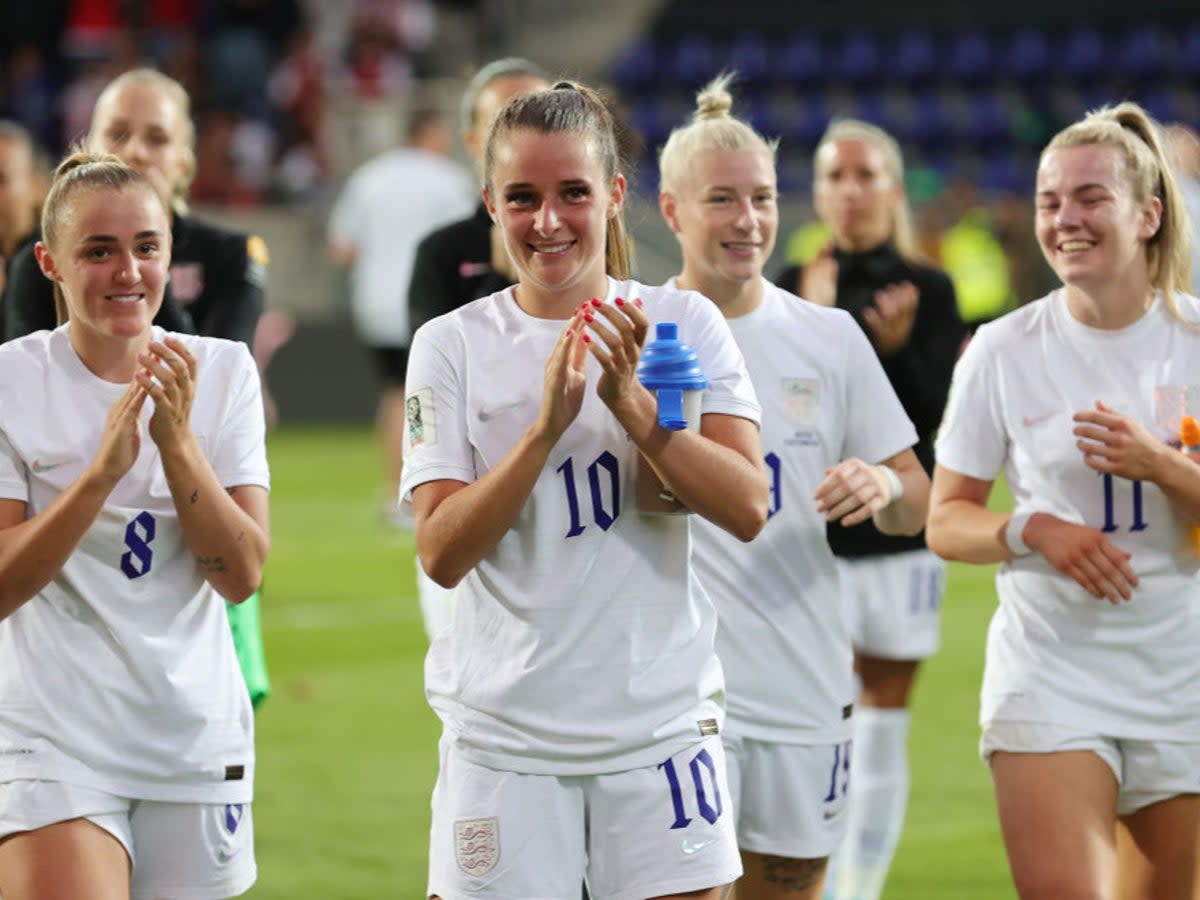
(436, 445)
(13, 485)
(730, 390)
(972, 439)
(877, 427)
(239, 454)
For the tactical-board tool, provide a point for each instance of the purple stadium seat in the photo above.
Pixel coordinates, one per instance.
(969, 56)
(1143, 53)
(1084, 53)
(749, 57)
(857, 59)
(914, 57)
(637, 65)
(800, 61)
(1025, 57)
(694, 61)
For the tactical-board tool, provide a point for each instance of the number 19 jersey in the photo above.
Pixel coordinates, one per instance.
(782, 637)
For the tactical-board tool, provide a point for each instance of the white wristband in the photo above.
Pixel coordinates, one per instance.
(895, 485)
(1014, 533)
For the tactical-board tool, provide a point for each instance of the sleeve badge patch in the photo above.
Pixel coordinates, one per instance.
(421, 419)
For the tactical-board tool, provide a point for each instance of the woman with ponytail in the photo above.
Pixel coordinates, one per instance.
(578, 685)
(133, 498)
(1090, 710)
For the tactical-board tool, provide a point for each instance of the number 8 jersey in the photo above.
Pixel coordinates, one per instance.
(583, 643)
(1055, 653)
(120, 674)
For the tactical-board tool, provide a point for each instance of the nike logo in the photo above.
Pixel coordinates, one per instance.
(1030, 421)
(832, 814)
(39, 467)
(223, 857)
(486, 415)
(690, 847)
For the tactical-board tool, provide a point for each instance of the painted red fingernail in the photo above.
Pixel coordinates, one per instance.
(588, 317)
(596, 302)
(587, 338)
(619, 302)
(638, 301)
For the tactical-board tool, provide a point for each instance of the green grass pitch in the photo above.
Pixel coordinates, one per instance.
(347, 748)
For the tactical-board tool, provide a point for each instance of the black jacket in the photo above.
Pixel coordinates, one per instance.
(453, 266)
(217, 286)
(920, 372)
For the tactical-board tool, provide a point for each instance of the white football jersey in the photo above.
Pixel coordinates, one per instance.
(782, 641)
(1056, 654)
(120, 675)
(583, 643)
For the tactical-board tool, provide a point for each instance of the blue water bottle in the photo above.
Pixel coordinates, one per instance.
(671, 369)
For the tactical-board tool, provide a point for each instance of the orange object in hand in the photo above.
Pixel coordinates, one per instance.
(1189, 437)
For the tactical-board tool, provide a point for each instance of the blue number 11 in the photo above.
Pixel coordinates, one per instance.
(1139, 524)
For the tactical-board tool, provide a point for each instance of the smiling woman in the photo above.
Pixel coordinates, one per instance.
(577, 682)
(1089, 709)
(128, 757)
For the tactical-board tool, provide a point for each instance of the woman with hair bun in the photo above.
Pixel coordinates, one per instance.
(838, 450)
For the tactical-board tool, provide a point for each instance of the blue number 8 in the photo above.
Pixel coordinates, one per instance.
(138, 535)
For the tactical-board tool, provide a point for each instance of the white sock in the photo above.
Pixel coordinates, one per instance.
(878, 800)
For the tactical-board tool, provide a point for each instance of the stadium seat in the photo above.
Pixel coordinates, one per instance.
(749, 56)
(1143, 53)
(800, 62)
(1187, 60)
(637, 66)
(1084, 54)
(857, 59)
(969, 56)
(1025, 58)
(694, 61)
(914, 57)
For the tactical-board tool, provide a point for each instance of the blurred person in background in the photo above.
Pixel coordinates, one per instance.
(839, 450)
(466, 259)
(892, 584)
(1183, 152)
(382, 212)
(134, 480)
(20, 195)
(218, 276)
(578, 684)
(1089, 707)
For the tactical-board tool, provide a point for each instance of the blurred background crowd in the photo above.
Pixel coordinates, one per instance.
(291, 96)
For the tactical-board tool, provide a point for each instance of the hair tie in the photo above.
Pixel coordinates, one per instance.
(565, 86)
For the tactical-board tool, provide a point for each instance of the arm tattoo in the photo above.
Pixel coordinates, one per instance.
(195, 497)
(240, 538)
(211, 564)
(796, 875)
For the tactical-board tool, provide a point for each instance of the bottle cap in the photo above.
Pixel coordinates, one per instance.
(669, 363)
(669, 367)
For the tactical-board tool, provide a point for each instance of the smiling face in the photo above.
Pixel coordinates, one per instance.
(110, 257)
(550, 196)
(726, 216)
(855, 194)
(1091, 229)
(144, 126)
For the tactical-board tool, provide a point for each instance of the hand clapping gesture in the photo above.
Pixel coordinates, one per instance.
(169, 378)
